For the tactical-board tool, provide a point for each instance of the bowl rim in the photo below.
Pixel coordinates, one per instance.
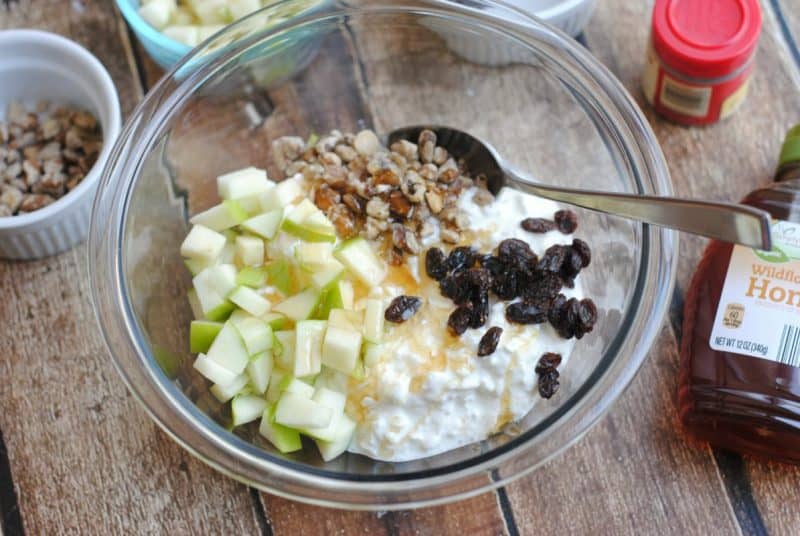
(648, 159)
(106, 91)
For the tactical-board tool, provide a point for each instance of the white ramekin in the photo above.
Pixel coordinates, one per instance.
(569, 16)
(35, 66)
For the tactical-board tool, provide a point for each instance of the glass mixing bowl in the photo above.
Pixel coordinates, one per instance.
(554, 113)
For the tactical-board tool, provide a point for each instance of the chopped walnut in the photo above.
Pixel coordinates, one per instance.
(378, 208)
(44, 154)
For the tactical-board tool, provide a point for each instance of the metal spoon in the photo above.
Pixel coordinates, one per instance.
(728, 222)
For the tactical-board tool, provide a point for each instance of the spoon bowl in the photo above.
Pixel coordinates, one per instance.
(728, 222)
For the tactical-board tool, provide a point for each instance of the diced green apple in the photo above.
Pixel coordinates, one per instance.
(308, 347)
(284, 439)
(284, 355)
(347, 293)
(346, 319)
(252, 276)
(373, 320)
(223, 393)
(247, 408)
(242, 8)
(264, 225)
(213, 304)
(275, 389)
(279, 275)
(296, 411)
(283, 195)
(210, 11)
(276, 321)
(220, 217)
(300, 306)
(228, 253)
(327, 275)
(256, 335)
(213, 371)
(194, 304)
(307, 222)
(196, 266)
(357, 255)
(373, 353)
(345, 429)
(184, 33)
(221, 278)
(202, 334)
(341, 349)
(202, 244)
(333, 400)
(290, 384)
(314, 256)
(243, 183)
(228, 349)
(157, 13)
(207, 30)
(258, 370)
(249, 300)
(251, 204)
(250, 250)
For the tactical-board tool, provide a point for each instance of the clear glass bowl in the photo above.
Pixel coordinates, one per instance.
(555, 113)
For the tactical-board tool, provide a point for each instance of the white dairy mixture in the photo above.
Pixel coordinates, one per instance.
(428, 392)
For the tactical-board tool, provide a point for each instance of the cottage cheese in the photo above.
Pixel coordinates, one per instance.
(426, 391)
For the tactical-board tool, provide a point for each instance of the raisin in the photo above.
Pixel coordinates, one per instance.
(548, 383)
(516, 253)
(568, 320)
(459, 319)
(537, 225)
(435, 264)
(587, 316)
(553, 258)
(573, 262)
(488, 343)
(455, 287)
(548, 361)
(525, 313)
(583, 250)
(402, 308)
(505, 285)
(480, 309)
(479, 278)
(461, 257)
(566, 221)
(556, 308)
(541, 287)
(493, 264)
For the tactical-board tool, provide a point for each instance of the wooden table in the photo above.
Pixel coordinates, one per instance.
(78, 454)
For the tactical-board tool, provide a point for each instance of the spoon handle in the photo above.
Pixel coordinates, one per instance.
(728, 222)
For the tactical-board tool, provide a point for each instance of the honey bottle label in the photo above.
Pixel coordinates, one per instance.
(759, 309)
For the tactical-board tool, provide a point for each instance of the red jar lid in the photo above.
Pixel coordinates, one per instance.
(706, 38)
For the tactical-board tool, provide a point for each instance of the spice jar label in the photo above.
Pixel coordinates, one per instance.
(759, 309)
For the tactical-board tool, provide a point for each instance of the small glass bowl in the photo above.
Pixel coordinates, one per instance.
(555, 113)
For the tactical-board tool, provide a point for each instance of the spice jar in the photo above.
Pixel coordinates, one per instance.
(700, 58)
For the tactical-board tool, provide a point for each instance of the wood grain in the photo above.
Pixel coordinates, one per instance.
(84, 455)
(722, 161)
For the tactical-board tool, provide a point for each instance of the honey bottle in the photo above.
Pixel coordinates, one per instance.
(739, 379)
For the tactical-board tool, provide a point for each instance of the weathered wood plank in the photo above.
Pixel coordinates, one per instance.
(632, 474)
(722, 161)
(472, 516)
(84, 455)
(636, 452)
